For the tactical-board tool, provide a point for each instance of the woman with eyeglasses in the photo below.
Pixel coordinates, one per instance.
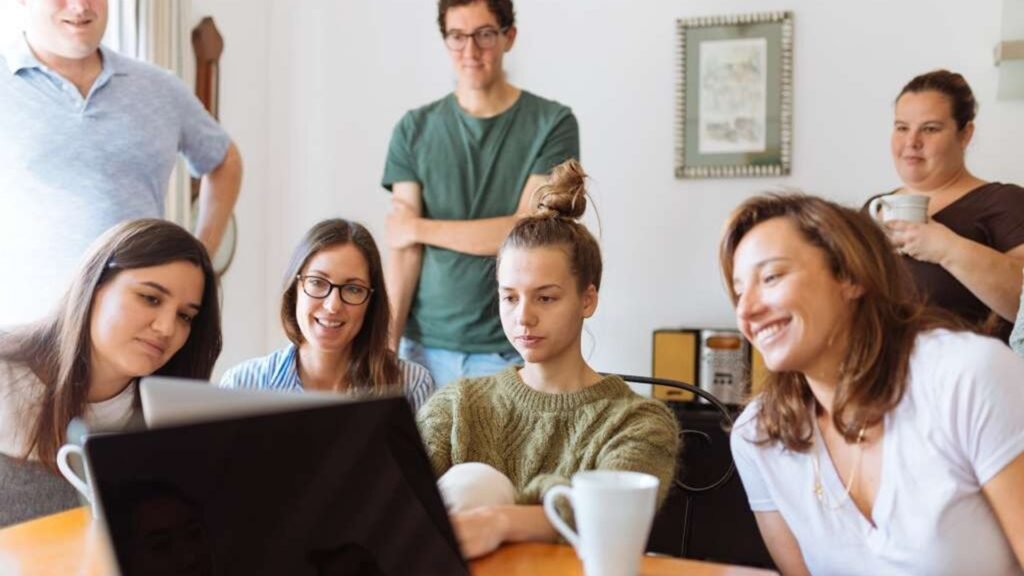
(143, 302)
(334, 309)
(887, 439)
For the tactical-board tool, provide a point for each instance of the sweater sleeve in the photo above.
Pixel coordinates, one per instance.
(436, 425)
(535, 489)
(533, 495)
(647, 441)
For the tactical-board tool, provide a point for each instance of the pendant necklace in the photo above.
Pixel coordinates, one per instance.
(820, 492)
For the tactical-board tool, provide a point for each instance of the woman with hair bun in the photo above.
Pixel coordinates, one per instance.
(967, 258)
(502, 441)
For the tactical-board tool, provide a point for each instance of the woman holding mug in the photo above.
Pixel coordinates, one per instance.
(143, 302)
(886, 440)
(967, 258)
(524, 430)
(334, 309)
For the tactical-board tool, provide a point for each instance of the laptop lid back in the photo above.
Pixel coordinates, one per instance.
(170, 401)
(341, 489)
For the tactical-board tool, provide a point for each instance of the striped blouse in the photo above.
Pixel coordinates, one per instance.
(279, 371)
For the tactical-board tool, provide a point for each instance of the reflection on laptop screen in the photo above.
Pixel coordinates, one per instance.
(342, 489)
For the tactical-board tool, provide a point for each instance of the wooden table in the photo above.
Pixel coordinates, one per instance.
(69, 543)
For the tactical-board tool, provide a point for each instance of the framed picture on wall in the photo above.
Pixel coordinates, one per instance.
(734, 95)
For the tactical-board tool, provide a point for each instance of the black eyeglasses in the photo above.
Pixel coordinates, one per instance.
(320, 288)
(484, 38)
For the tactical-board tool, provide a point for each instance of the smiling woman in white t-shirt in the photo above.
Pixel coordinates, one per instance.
(143, 302)
(886, 440)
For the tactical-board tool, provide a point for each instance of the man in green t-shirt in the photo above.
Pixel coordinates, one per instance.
(462, 170)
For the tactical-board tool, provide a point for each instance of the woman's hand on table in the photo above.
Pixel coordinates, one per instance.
(480, 530)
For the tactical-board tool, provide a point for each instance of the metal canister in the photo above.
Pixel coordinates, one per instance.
(725, 365)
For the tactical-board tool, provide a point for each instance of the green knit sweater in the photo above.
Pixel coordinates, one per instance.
(539, 440)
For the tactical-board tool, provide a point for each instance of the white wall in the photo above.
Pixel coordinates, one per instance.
(244, 80)
(311, 91)
(10, 20)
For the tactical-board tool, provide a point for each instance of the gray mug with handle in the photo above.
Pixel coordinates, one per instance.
(909, 207)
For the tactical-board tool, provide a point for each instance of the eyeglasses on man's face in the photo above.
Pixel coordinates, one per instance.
(320, 288)
(484, 38)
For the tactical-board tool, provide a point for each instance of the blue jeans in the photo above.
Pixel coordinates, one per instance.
(447, 366)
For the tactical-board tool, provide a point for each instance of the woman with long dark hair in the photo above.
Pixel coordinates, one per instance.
(143, 302)
(334, 309)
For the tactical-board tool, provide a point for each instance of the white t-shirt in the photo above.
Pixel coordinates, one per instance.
(21, 397)
(960, 422)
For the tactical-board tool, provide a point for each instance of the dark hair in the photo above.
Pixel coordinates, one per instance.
(886, 319)
(502, 10)
(57, 348)
(373, 365)
(555, 223)
(952, 86)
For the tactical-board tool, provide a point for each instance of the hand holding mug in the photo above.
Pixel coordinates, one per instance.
(929, 242)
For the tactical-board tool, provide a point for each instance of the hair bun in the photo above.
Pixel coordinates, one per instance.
(565, 194)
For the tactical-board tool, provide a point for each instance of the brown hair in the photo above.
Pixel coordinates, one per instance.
(952, 86)
(57, 348)
(554, 222)
(502, 10)
(885, 321)
(373, 365)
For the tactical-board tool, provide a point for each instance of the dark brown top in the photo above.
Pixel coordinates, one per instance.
(991, 214)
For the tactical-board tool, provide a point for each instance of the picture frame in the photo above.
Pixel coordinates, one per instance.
(734, 95)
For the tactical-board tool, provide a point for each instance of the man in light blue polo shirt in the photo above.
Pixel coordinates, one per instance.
(88, 138)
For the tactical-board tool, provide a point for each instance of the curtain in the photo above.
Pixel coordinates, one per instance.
(158, 32)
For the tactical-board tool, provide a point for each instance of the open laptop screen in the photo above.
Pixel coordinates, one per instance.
(342, 489)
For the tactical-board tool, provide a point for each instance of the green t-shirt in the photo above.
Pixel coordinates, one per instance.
(471, 168)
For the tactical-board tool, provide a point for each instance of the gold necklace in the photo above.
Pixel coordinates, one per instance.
(819, 488)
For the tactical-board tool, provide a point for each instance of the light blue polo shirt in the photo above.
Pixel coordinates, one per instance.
(71, 167)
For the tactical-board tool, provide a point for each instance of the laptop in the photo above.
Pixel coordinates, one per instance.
(170, 401)
(343, 488)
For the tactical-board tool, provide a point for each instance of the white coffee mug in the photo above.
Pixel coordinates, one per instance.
(909, 207)
(614, 511)
(84, 486)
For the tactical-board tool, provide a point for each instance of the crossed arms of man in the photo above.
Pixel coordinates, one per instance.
(408, 231)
